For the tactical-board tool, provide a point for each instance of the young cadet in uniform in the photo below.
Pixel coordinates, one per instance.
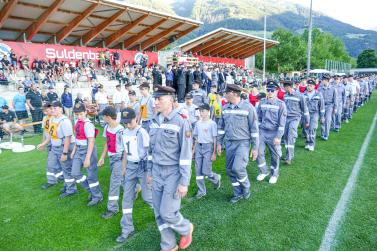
(146, 105)
(349, 97)
(53, 173)
(60, 136)
(239, 125)
(340, 102)
(214, 103)
(84, 154)
(114, 149)
(135, 143)
(329, 97)
(199, 95)
(272, 115)
(192, 109)
(296, 107)
(205, 134)
(316, 107)
(170, 156)
(133, 103)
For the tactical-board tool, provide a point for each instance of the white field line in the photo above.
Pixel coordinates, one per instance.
(329, 238)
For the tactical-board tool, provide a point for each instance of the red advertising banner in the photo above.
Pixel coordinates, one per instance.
(69, 53)
(216, 60)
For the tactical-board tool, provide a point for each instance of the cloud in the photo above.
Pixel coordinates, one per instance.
(360, 13)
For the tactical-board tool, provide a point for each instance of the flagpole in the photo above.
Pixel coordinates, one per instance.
(264, 48)
(309, 38)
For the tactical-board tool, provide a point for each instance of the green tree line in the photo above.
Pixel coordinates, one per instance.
(291, 55)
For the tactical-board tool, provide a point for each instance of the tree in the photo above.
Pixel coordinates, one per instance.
(290, 54)
(367, 59)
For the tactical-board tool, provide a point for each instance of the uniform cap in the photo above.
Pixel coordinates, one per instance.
(233, 88)
(189, 96)
(272, 84)
(144, 85)
(127, 115)
(163, 91)
(79, 107)
(205, 107)
(326, 77)
(287, 83)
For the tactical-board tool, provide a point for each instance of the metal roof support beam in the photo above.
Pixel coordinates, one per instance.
(232, 48)
(164, 43)
(7, 9)
(35, 26)
(118, 34)
(209, 43)
(214, 49)
(247, 50)
(149, 42)
(242, 49)
(63, 33)
(199, 41)
(128, 43)
(101, 27)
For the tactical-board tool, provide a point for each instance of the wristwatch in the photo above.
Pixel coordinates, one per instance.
(65, 153)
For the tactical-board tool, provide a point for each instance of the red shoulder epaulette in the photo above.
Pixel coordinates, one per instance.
(183, 116)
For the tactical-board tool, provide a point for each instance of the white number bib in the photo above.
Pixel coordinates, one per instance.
(130, 144)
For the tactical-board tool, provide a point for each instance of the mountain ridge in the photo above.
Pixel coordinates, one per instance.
(248, 15)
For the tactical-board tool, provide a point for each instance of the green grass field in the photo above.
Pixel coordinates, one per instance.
(291, 215)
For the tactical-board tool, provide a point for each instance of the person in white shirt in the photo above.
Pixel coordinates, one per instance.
(119, 98)
(101, 100)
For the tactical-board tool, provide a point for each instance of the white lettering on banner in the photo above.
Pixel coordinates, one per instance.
(71, 54)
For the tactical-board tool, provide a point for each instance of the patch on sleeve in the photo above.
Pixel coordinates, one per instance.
(188, 134)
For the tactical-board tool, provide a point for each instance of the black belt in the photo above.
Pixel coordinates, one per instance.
(205, 143)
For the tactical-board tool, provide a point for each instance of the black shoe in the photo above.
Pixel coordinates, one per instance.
(65, 194)
(218, 184)
(47, 185)
(109, 214)
(247, 195)
(94, 202)
(123, 238)
(235, 199)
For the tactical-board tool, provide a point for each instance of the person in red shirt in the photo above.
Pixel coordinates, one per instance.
(254, 94)
(318, 84)
(281, 92)
(302, 86)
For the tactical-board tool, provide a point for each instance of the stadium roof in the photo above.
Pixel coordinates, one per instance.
(100, 23)
(227, 43)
